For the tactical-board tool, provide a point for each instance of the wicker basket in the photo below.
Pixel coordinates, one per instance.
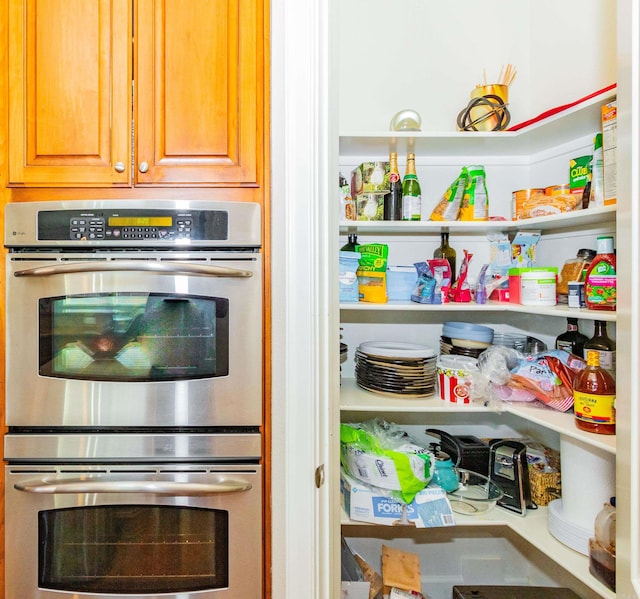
(546, 486)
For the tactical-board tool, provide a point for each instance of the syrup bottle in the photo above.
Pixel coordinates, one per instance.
(594, 398)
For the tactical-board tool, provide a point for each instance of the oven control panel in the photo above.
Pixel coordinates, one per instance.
(133, 223)
(136, 228)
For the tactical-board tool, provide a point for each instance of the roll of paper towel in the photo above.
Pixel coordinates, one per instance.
(588, 481)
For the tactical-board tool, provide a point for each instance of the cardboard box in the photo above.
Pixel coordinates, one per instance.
(370, 206)
(370, 177)
(579, 173)
(523, 249)
(609, 143)
(363, 503)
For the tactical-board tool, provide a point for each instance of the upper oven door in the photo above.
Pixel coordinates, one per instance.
(143, 339)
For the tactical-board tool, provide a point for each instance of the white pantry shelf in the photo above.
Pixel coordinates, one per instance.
(559, 311)
(355, 399)
(533, 529)
(556, 222)
(561, 128)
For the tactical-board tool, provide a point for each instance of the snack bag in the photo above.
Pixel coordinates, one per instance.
(475, 201)
(448, 208)
(441, 270)
(459, 291)
(372, 273)
(424, 290)
(548, 376)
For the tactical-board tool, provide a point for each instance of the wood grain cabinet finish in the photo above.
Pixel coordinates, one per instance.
(69, 92)
(136, 92)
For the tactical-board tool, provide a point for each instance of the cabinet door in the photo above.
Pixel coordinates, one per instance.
(69, 92)
(198, 89)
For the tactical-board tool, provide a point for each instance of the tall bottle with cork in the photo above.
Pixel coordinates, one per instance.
(594, 398)
(600, 280)
(393, 199)
(411, 193)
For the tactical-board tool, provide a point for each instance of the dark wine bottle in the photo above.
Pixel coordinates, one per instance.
(351, 245)
(572, 340)
(393, 199)
(447, 252)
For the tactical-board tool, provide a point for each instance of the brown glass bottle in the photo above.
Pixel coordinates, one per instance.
(605, 346)
(447, 252)
(594, 398)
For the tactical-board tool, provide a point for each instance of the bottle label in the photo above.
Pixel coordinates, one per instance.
(411, 207)
(600, 285)
(596, 409)
(607, 359)
(565, 345)
(394, 177)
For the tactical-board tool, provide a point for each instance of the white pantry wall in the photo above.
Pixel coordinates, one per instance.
(428, 56)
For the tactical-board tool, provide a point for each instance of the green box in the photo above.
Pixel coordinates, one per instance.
(579, 173)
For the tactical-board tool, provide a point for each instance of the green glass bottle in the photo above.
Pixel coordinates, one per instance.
(411, 194)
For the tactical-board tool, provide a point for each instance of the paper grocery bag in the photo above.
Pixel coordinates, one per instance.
(400, 569)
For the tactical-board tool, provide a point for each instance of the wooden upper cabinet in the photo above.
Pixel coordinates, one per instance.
(69, 92)
(137, 92)
(199, 91)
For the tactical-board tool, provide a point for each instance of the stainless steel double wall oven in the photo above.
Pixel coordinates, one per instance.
(134, 399)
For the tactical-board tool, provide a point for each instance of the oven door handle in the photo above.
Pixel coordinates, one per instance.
(54, 487)
(169, 268)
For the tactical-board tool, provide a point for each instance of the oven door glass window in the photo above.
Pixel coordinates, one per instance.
(134, 337)
(134, 549)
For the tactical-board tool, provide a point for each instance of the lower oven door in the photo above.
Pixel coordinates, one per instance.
(139, 530)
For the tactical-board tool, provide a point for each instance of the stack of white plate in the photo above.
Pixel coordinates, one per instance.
(571, 534)
(394, 368)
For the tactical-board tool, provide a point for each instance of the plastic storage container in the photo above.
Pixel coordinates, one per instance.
(533, 286)
(602, 548)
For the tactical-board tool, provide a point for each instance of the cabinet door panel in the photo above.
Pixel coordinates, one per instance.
(69, 113)
(199, 91)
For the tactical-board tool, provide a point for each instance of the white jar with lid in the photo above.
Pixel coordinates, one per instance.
(538, 286)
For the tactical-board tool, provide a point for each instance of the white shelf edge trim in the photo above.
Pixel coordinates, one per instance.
(560, 311)
(576, 218)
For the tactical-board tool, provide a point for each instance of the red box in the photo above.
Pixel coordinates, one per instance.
(500, 295)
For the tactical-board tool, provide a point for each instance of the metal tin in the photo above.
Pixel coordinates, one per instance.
(519, 197)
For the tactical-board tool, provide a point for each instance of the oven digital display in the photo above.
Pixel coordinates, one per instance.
(140, 221)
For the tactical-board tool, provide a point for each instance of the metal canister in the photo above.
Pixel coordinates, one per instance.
(557, 190)
(519, 197)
